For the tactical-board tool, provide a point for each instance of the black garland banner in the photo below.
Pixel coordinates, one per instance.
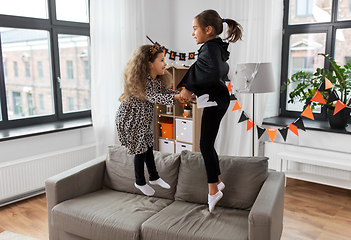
(174, 54)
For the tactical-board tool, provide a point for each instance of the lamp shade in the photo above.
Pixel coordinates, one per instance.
(254, 78)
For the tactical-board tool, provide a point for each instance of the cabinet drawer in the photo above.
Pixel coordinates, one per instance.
(166, 145)
(184, 130)
(183, 146)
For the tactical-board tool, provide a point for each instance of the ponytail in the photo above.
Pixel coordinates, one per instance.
(234, 31)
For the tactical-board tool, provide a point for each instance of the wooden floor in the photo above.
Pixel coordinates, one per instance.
(312, 211)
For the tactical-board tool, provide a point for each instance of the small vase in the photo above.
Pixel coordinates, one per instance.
(339, 120)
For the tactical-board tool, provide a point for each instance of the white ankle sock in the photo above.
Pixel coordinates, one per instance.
(161, 183)
(220, 186)
(213, 199)
(146, 189)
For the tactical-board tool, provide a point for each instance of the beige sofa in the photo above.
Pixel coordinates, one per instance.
(98, 201)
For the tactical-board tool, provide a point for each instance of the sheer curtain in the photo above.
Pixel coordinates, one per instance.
(262, 23)
(117, 29)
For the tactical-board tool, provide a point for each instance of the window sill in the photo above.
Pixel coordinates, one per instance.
(40, 129)
(317, 125)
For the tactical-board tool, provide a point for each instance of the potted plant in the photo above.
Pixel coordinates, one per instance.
(309, 83)
(187, 109)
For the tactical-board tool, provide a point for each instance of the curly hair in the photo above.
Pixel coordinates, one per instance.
(136, 71)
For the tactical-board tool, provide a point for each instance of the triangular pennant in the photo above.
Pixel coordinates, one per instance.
(236, 106)
(308, 113)
(283, 132)
(243, 117)
(328, 84)
(321, 87)
(272, 133)
(249, 124)
(229, 86)
(294, 129)
(299, 123)
(339, 106)
(260, 131)
(333, 96)
(318, 98)
(233, 97)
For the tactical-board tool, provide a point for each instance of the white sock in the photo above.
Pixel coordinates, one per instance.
(220, 186)
(213, 199)
(161, 183)
(146, 189)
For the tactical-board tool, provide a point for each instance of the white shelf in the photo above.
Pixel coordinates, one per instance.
(336, 182)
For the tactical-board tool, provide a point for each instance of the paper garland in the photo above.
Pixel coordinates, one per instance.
(297, 124)
(174, 54)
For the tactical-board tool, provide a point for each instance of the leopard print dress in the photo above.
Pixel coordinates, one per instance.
(134, 117)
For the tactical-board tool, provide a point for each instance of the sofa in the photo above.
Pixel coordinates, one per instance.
(98, 201)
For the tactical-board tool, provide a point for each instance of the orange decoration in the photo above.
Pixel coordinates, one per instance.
(236, 106)
(249, 124)
(328, 84)
(318, 98)
(339, 106)
(293, 128)
(185, 114)
(308, 113)
(272, 133)
(229, 87)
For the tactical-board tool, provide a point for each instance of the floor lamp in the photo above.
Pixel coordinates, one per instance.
(253, 78)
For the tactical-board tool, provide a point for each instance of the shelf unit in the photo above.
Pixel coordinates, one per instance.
(161, 116)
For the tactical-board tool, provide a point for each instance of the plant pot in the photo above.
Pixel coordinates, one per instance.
(188, 111)
(339, 120)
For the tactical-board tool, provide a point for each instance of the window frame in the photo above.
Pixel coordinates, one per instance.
(54, 27)
(288, 30)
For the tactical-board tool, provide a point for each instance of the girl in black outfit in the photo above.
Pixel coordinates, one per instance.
(206, 78)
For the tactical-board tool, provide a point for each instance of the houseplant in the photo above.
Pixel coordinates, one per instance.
(187, 109)
(309, 83)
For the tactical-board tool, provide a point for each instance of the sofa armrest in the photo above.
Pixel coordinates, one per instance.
(266, 215)
(83, 179)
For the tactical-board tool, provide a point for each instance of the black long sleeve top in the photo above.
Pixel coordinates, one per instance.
(209, 73)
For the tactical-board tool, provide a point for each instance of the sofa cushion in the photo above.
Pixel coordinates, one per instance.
(182, 220)
(120, 171)
(246, 175)
(106, 214)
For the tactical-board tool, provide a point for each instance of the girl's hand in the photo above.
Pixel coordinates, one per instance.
(179, 98)
(186, 94)
(193, 97)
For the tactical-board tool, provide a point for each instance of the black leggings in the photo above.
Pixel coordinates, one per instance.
(211, 119)
(148, 158)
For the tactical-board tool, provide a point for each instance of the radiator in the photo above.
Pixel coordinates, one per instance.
(26, 177)
(272, 149)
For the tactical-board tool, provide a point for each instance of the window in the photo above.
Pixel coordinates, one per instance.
(30, 104)
(15, 69)
(27, 69)
(69, 70)
(304, 8)
(40, 70)
(327, 30)
(45, 44)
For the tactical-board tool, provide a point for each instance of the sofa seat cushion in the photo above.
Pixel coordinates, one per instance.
(120, 174)
(106, 214)
(243, 178)
(182, 220)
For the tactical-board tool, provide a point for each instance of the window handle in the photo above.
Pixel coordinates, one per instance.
(59, 81)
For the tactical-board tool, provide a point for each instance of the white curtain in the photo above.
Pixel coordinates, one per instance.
(117, 29)
(262, 23)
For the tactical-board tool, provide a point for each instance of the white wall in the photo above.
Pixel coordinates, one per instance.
(31, 146)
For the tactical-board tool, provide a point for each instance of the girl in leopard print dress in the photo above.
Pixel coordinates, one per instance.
(145, 84)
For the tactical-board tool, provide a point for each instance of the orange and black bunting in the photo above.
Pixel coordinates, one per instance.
(191, 55)
(182, 56)
(172, 55)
